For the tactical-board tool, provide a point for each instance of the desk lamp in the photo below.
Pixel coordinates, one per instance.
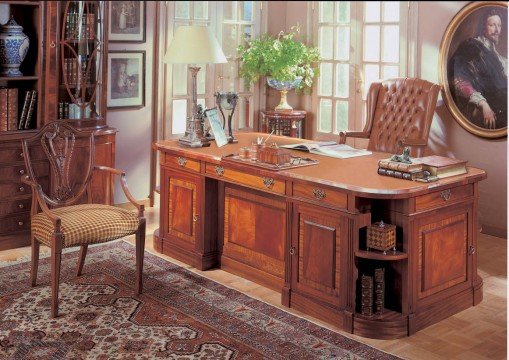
(194, 45)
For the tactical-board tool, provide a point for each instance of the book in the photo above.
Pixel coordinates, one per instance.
(406, 175)
(24, 110)
(366, 295)
(379, 291)
(12, 109)
(441, 166)
(328, 148)
(3, 109)
(400, 166)
(31, 108)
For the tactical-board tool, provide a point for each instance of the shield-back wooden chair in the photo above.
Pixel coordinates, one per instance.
(399, 115)
(60, 219)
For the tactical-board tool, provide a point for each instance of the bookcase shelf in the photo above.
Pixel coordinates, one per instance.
(23, 3)
(19, 78)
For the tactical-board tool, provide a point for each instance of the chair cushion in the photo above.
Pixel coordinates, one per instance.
(86, 224)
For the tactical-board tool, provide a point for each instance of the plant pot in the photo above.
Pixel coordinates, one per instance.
(283, 87)
(13, 48)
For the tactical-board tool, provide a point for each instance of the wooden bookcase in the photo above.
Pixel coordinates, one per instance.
(46, 25)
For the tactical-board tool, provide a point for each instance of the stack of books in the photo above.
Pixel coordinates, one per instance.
(437, 167)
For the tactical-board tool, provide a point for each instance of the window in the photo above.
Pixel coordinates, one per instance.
(360, 42)
(231, 22)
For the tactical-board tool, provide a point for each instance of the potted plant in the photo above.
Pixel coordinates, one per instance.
(288, 63)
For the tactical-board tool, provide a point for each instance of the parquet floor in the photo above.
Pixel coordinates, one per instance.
(477, 333)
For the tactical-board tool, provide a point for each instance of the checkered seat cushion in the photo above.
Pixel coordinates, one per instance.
(86, 224)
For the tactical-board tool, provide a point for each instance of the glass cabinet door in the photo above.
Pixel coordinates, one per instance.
(81, 63)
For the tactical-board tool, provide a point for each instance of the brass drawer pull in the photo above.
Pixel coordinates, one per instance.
(20, 155)
(319, 194)
(446, 194)
(268, 182)
(20, 223)
(21, 189)
(182, 161)
(219, 170)
(22, 172)
(471, 249)
(196, 218)
(21, 206)
(292, 250)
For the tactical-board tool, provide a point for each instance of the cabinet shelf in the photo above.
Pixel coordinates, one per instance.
(26, 3)
(379, 255)
(18, 78)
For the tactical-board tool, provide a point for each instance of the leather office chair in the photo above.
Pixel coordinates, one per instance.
(399, 114)
(58, 220)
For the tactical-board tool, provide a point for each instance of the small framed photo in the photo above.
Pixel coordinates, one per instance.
(126, 80)
(216, 127)
(127, 21)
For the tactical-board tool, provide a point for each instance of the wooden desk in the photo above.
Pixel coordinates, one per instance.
(303, 233)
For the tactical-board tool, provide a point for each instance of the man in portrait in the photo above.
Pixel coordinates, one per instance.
(478, 75)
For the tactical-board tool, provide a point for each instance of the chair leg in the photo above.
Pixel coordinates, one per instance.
(140, 252)
(56, 257)
(35, 261)
(81, 260)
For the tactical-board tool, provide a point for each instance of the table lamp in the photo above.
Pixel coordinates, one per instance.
(194, 45)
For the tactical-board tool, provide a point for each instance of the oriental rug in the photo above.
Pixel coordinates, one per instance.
(180, 315)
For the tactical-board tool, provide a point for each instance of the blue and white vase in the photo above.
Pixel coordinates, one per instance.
(13, 48)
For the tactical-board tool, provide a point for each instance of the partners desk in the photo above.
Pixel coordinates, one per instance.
(303, 232)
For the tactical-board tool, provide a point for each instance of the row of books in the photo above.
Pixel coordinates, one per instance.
(68, 110)
(9, 119)
(428, 168)
(79, 26)
(75, 71)
(372, 293)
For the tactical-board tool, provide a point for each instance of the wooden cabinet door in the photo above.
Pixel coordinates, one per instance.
(319, 254)
(444, 253)
(183, 193)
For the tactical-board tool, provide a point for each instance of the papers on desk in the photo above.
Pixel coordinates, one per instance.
(329, 148)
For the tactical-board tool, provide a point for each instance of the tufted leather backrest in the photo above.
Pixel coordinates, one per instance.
(400, 109)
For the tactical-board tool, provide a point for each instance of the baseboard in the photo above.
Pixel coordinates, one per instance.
(130, 206)
(494, 231)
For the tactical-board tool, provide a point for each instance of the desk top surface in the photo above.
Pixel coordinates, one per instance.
(357, 175)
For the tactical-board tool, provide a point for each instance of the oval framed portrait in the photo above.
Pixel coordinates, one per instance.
(473, 68)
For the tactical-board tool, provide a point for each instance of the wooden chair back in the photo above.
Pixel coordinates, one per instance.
(71, 174)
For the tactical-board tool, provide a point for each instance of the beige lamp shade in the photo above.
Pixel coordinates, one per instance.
(194, 45)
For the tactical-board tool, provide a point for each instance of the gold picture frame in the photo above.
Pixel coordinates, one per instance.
(467, 87)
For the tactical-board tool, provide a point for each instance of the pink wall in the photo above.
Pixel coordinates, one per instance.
(447, 137)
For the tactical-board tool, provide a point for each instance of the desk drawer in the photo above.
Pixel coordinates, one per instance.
(181, 162)
(260, 182)
(14, 173)
(15, 206)
(14, 190)
(8, 155)
(443, 197)
(17, 222)
(320, 194)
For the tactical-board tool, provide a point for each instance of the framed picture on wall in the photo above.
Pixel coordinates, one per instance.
(473, 68)
(126, 80)
(127, 21)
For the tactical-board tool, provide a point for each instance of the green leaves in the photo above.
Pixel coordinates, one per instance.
(283, 58)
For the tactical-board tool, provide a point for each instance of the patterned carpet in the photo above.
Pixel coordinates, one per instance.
(180, 316)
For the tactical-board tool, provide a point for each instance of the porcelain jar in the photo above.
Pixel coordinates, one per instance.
(13, 48)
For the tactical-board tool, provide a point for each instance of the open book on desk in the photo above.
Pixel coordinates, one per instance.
(328, 148)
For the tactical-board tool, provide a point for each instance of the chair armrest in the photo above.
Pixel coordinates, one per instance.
(356, 134)
(123, 182)
(38, 194)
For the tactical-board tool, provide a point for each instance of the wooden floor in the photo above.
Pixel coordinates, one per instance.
(476, 333)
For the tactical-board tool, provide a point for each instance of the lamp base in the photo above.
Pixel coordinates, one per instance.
(193, 141)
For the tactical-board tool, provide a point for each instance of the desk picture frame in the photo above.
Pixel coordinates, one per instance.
(216, 127)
